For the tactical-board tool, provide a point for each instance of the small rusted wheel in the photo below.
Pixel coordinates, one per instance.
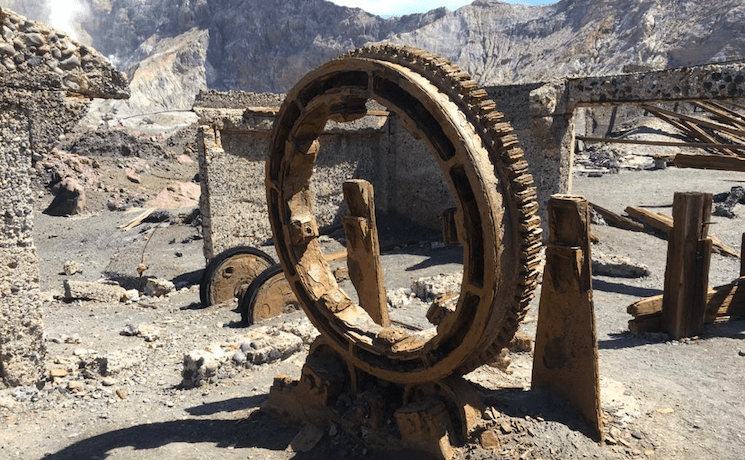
(488, 180)
(269, 295)
(229, 274)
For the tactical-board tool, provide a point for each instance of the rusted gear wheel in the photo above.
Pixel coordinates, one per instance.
(488, 179)
(229, 274)
(268, 295)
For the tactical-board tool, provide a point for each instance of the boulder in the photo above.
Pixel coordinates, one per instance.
(69, 198)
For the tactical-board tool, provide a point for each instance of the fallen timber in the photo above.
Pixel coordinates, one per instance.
(664, 224)
(722, 303)
(657, 221)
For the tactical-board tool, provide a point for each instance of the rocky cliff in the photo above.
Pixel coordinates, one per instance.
(267, 45)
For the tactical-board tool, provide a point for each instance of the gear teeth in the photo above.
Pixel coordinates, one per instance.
(518, 185)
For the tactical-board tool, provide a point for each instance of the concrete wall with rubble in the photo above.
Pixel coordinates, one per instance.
(46, 80)
(233, 142)
(407, 180)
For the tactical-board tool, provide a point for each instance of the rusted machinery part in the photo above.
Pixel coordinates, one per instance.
(488, 179)
(229, 274)
(268, 295)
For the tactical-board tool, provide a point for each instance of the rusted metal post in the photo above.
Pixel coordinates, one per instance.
(687, 271)
(363, 249)
(566, 350)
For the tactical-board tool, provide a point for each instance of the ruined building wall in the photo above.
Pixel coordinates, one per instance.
(232, 147)
(46, 81)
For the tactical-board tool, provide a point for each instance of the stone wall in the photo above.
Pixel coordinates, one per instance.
(46, 82)
(232, 147)
(407, 180)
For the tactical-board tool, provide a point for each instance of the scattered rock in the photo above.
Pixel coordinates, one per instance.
(428, 289)
(489, 440)
(148, 332)
(502, 361)
(69, 198)
(156, 287)
(58, 373)
(265, 345)
(71, 267)
(306, 439)
(199, 367)
(99, 292)
(133, 177)
(132, 295)
(129, 330)
(617, 266)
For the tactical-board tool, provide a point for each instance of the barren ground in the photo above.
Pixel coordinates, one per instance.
(663, 399)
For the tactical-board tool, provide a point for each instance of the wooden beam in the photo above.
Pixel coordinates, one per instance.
(655, 220)
(363, 250)
(705, 161)
(697, 145)
(618, 221)
(698, 121)
(687, 271)
(664, 224)
(722, 302)
(719, 110)
(566, 350)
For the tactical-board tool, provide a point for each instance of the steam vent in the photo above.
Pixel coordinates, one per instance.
(46, 83)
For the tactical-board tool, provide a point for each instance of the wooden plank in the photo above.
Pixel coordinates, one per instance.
(722, 302)
(615, 220)
(655, 220)
(704, 161)
(686, 273)
(699, 133)
(664, 224)
(732, 117)
(697, 145)
(137, 220)
(645, 306)
(363, 250)
(690, 128)
(698, 121)
(566, 351)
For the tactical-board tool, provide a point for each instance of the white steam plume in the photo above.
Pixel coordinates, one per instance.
(65, 15)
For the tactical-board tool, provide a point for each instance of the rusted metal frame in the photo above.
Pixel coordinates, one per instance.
(330, 309)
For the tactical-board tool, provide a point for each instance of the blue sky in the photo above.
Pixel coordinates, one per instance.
(387, 8)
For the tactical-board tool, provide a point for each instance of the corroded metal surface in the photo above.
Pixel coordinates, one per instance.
(268, 296)
(486, 174)
(228, 276)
